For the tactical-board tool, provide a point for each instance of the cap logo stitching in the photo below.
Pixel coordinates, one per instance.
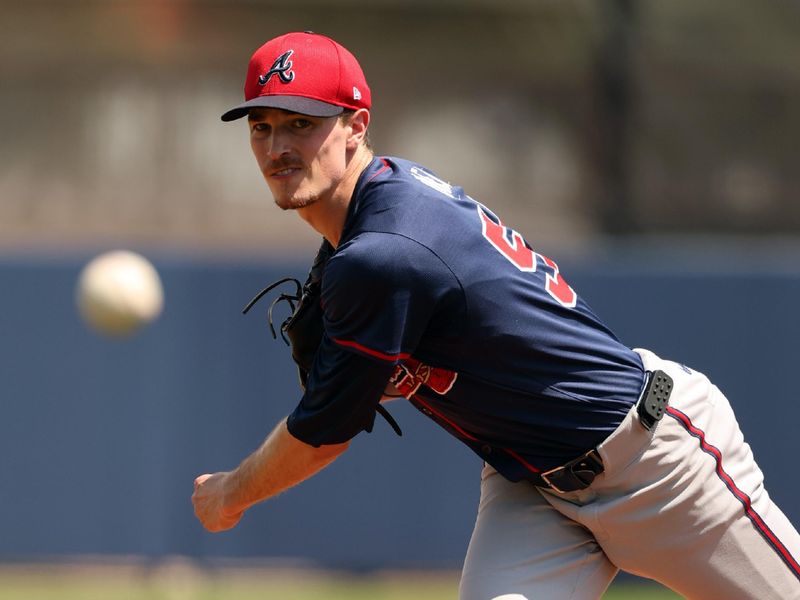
(282, 67)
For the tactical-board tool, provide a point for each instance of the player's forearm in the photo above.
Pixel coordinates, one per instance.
(281, 462)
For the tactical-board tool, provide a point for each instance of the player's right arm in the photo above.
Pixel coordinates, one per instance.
(282, 461)
(340, 399)
(373, 317)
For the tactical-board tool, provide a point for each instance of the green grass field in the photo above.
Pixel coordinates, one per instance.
(179, 580)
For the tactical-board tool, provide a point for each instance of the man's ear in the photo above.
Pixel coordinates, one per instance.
(358, 124)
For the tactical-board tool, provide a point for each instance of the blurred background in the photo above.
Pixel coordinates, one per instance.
(650, 147)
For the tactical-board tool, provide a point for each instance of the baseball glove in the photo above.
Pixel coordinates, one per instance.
(303, 328)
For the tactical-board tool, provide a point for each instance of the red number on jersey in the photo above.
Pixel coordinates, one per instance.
(510, 244)
(514, 250)
(558, 287)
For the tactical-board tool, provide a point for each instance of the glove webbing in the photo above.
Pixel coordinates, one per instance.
(283, 297)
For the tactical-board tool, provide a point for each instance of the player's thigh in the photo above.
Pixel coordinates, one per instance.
(522, 548)
(714, 532)
(749, 560)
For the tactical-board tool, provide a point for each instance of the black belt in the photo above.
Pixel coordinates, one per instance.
(578, 474)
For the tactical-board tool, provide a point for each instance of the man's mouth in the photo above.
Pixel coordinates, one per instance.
(284, 171)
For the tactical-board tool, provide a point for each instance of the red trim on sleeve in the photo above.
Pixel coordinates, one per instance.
(371, 352)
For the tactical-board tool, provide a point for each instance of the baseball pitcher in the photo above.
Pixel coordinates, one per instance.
(597, 457)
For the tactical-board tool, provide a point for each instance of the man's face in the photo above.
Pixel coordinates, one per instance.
(302, 158)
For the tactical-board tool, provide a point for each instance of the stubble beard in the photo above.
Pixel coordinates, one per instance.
(293, 203)
(291, 196)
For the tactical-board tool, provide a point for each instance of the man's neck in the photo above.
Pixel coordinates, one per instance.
(328, 216)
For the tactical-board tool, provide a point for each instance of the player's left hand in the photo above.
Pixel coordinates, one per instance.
(210, 492)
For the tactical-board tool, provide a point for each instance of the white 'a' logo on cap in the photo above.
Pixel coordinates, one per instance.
(356, 93)
(282, 67)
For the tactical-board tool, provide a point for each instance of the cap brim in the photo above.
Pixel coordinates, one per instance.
(296, 104)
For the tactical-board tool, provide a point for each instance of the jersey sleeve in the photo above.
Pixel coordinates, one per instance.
(342, 392)
(378, 296)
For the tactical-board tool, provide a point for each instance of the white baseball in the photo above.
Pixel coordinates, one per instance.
(118, 292)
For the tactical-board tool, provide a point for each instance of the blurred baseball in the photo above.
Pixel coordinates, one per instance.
(118, 292)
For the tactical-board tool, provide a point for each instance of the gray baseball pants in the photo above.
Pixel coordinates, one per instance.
(683, 504)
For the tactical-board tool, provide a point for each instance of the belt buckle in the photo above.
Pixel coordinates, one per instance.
(590, 456)
(546, 478)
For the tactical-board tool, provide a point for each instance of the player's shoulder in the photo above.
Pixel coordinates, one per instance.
(381, 255)
(399, 176)
(385, 269)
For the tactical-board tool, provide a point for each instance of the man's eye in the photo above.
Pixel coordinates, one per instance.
(260, 127)
(302, 123)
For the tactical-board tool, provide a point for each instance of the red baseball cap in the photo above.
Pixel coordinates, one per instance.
(306, 73)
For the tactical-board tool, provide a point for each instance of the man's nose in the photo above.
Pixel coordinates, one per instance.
(278, 145)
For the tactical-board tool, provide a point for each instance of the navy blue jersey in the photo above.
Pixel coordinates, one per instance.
(522, 370)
